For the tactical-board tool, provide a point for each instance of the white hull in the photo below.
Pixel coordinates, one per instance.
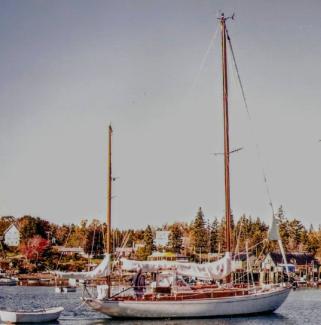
(8, 282)
(36, 316)
(261, 302)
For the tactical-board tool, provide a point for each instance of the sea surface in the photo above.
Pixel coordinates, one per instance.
(303, 306)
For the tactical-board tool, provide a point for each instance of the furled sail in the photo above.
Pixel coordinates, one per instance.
(102, 270)
(207, 271)
(274, 233)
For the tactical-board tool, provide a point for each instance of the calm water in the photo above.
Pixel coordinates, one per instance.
(302, 307)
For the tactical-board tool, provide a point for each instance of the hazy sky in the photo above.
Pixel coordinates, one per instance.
(67, 68)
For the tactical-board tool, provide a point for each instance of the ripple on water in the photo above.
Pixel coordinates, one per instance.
(302, 307)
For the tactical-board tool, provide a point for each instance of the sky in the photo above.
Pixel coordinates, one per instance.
(152, 69)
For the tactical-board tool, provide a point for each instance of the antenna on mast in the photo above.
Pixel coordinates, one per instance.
(226, 18)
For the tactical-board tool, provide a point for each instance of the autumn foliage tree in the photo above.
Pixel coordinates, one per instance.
(34, 248)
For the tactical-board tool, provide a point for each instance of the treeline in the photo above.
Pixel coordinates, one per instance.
(201, 236)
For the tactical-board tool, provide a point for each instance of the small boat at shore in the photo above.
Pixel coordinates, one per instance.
(32, 316)
(8, 282)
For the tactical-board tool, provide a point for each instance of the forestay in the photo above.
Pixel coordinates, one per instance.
(207, 271)
(102, 270)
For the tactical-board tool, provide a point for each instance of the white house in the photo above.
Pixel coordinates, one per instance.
(12, 236)
(161, 238)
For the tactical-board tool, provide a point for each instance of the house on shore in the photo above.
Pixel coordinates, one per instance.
(167, 256)
(124, 251)
(305, 266)
(11, 236)
(70, 251)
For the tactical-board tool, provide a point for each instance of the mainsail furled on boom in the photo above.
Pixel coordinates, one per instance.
(102, 270)
(207, 271)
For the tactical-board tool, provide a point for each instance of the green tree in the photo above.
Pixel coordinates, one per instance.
(296, 230)
(175, 238)
(313, 245)
(283, 226)
(141, 254)
(214, 229)
(149, 240)
(199, 232)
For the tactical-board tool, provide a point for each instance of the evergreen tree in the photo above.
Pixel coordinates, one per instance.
(176, 238)
(295, 234)
(313, 242)
(199, 232)
(214, 236)
(149, 240)
(283, 226)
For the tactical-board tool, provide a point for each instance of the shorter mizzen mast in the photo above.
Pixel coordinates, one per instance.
(109, 189)
(104, 268)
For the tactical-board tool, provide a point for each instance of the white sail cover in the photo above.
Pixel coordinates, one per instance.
(207, 271)
(274, 233)
(102, 270)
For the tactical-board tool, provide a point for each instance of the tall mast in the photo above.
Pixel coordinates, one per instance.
(226, 137)
(109, 189)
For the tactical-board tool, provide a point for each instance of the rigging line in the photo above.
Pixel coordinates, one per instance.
(262, 251)
(211, 44)
(237, 248)
(258, 152)
(66, 241)
(92, 246)
(125, 239)
(103, 233)
(252, 247)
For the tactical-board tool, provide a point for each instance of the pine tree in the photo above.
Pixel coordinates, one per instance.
(295, 234)
(176, 238)
(149, 240)
(214, 236)
(283, 226)
(199, 231)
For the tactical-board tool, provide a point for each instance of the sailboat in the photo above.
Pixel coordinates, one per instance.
(207, 301)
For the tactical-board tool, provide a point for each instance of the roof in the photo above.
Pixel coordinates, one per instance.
(295, 258)
(13, 224)
(124, 249)
(242, 256)
(166, 254)
(69, 249)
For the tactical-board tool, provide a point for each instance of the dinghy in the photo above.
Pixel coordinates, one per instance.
(32, 316)
(8, 282)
